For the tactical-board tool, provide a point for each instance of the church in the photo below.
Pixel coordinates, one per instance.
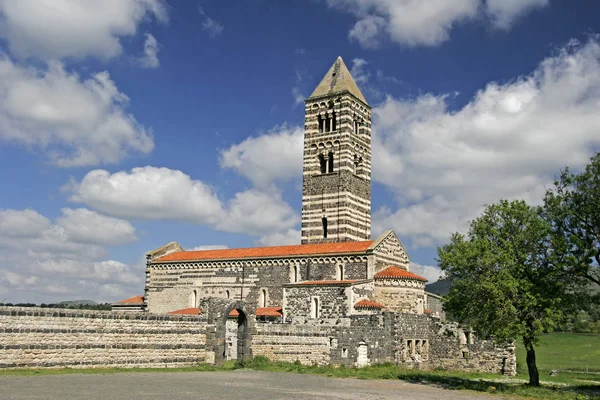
(336, 250)
(339, 297)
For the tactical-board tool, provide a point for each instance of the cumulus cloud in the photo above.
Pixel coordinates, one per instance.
(274, 156)
(508, 142)
(47, 261)
(430, 272)
(151, 49)
(86, 226)
(290, 236)
(162, 193)
(423, 22)
(76, 122)
(73, 28)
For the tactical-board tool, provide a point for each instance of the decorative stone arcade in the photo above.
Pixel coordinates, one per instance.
(215, 312)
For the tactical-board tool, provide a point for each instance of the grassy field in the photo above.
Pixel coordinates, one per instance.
(564, 351)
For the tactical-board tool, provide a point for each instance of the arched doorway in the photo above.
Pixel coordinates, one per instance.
(236, 327)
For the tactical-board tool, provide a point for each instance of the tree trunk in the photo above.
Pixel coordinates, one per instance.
(534, 375)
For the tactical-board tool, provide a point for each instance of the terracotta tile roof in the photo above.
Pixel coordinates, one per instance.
(132, 300)
(364, 303)
(398, 273)
(273, 251)
(346, 282)
(186, 311)
(427, 311)
(262, 312)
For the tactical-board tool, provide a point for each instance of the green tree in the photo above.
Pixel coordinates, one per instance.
(507, 278)
(573, 209)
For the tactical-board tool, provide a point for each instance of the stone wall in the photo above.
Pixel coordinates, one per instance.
(401, 295)
(41, 337)
(290, 343)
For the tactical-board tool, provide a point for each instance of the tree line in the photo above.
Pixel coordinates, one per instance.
(522, 270)
(80, 306)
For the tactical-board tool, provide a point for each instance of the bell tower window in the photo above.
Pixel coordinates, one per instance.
(324, 223)
(323, 163)
(321, 123)
(330, 162)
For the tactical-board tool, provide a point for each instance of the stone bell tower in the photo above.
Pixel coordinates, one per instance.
(336, 187)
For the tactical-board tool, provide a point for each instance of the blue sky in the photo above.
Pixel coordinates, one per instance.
(125, 125)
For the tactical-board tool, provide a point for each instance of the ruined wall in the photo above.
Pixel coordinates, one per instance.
(40, 337)
(434, 304)
(447, 346)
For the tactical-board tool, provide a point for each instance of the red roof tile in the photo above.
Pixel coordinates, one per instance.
(398, 273)
(262, 312)
(132, 300)
(364, 303)
(274, 251)
(186, 311)
(427, 311)
(327, 282)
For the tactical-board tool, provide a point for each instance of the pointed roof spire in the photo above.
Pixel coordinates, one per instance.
(338, 79)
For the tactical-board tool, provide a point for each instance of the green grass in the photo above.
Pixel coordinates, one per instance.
(567, 386)
(564, 351)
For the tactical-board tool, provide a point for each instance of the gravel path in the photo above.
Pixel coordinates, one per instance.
(238, 385)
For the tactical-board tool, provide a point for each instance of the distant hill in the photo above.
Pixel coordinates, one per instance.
(76, 302)
(441, 287)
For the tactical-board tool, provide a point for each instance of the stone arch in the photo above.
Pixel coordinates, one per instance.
(216, 314)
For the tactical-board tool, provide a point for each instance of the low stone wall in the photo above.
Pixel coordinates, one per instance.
(290, 343)
(41, 337)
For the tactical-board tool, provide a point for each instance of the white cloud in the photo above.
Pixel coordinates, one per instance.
(151, 49)
(274, 156)
(44, 261)
(358, 71)
(86, 226)
(149, 193)
(430, 272)
(73, 28)
(75, 122)
(291, 236)
(257, 212)
(508, 142)
(424, 22)
(210, 26)
(209, 247)
(162, 193)
(298, 96)
(504, 12)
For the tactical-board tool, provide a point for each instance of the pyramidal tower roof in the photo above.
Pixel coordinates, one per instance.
(338, 79)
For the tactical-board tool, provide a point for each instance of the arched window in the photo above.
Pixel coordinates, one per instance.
(333, 122)
(340, 273)
(356, 127)
(324, 222)
(227, 294)
(262, 301)
(193, 298)
(323, 163)
(294, 274)
(314, 308)
(321, 123)
(330, 159)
